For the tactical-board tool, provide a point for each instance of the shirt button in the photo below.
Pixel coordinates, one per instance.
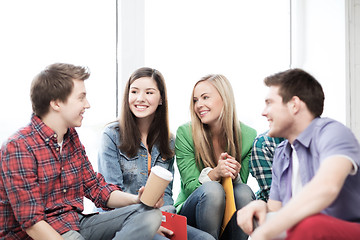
(64, 190)
(55, 135)
(57, 149)
(62, 168)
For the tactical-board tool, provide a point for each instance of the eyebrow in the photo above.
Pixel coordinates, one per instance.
(145, 89)
(202, 94)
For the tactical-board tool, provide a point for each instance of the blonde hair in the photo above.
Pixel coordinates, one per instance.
(204, 153)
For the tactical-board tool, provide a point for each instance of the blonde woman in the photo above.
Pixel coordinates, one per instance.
(213, 146)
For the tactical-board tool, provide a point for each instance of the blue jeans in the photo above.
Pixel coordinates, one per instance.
(205, 207)
(132, 222)
(192, 233)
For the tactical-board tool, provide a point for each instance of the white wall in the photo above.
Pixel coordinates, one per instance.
(353, 65)
(318, 35)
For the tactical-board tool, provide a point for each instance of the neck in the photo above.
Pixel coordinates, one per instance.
(216, 130)
(144, 127)
(299, 126)
(52, 122)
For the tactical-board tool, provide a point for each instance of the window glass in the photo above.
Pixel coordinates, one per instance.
(37, 33)
(243, 40)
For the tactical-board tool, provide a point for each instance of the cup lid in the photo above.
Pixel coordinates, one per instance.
(162, 172)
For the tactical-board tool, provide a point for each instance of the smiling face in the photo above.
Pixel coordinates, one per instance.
(73, 108)
(278, 114)
(208, 103)
(144, 97)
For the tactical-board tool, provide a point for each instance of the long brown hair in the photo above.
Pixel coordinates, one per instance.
(159, 133)
(204, 152)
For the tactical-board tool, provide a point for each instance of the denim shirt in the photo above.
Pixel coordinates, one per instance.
(130, 173)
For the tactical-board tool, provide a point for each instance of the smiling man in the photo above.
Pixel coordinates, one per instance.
(315, 171)
(45, 172)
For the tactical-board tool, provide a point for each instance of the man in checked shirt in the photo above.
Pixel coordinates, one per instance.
(261, 163)
(45, 172)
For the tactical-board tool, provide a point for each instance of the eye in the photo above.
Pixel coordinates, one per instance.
(82, 97)
(133, 91)
(205, 97)
(195, 100)
(149, 93)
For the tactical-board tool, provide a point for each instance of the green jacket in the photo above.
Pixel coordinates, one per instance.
(186, 163)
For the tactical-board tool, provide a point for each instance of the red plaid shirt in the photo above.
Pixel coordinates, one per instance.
(38, 182)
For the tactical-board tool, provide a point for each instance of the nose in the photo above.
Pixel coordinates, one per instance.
(264, 112)
(140, 97)
(87, 104)
(199, 104)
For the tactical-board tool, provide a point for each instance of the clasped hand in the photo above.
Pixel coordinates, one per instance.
(227, 166)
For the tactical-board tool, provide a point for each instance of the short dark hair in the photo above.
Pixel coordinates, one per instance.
(55, 82)
(297, 82)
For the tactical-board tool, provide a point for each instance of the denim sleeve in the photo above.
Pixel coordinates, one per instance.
(108, 158)
(168, 191)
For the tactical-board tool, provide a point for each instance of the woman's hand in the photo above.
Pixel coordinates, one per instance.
(232, 166)
(227, 167)
(158, 204)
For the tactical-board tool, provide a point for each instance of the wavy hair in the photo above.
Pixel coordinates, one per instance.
(204, 153)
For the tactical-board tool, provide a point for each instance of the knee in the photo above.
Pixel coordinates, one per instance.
(243, 195)
(152, 218)
(213, 191)
(307, 227)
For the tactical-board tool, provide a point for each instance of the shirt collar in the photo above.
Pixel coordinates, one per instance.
(44, 131)
(305, 137)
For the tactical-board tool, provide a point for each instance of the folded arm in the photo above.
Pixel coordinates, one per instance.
(315, 196)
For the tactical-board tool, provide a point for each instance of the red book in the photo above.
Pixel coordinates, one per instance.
(176, 223)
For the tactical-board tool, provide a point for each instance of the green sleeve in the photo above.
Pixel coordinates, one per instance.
(185, 159)
(248, 136)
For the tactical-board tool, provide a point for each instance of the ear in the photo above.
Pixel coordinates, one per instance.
(55, 105)
(295, 104)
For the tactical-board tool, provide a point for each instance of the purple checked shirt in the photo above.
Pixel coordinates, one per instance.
(322, 139)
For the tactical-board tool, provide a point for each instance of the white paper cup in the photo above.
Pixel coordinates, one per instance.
(156, 184)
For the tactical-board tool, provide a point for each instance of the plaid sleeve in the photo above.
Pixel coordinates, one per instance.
(96, 189)
(261, 164)
(19, 175)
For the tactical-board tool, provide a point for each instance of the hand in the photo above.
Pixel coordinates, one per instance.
(233, 167)
(140, 192)
(259, 234)
(160, 202)
(227, 166)
(164, 232)
(245, 215)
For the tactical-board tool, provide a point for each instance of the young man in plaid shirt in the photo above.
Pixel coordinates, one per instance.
(45, 172)
(260, 163)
